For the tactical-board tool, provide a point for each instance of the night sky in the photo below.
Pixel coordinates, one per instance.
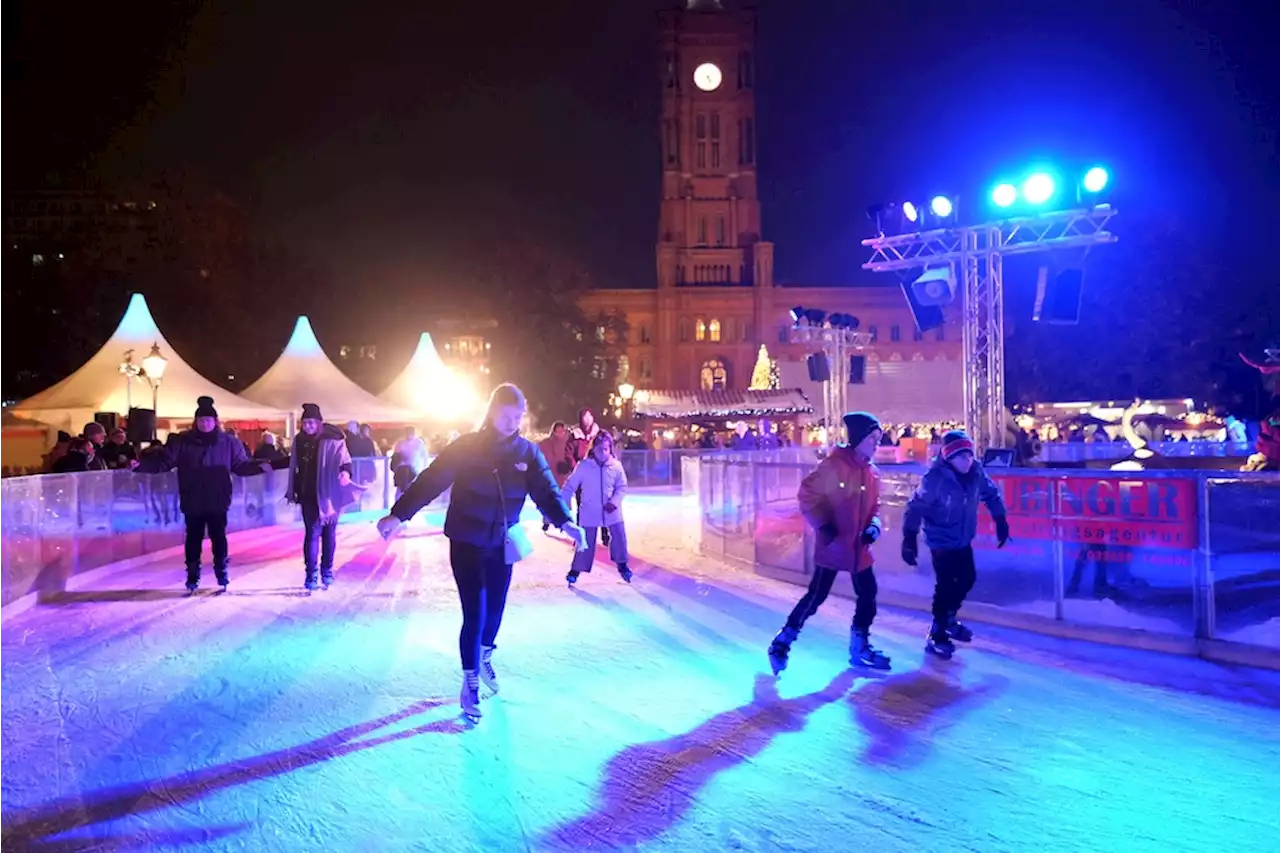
(387, 142)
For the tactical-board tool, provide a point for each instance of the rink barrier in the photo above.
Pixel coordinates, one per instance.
(1180, 561)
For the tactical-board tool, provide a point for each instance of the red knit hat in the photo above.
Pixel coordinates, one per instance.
(956, 441)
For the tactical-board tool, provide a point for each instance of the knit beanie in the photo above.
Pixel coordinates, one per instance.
(311, 410)
(859, 425)
(956, 441)
(205, 409)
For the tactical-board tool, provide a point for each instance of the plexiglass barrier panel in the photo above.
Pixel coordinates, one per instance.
(1243, 549)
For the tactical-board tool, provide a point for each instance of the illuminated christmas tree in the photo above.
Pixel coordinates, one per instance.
(764, 377)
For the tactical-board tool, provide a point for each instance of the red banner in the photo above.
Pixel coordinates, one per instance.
(1134, 512)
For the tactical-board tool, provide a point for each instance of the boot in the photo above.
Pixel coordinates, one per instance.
(572, 577)
(193, 577)
(487, 674)
(470, 696)
(604, 536)
(220, 574)
(310, 581)
(939, 644)
(780, 648)
(326, 577)
(624, 572)
(957, 630)
(862, 653)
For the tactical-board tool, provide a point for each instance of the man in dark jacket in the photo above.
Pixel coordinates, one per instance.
(205, 457)
(946, 503)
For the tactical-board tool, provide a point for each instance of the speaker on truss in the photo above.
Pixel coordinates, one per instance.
(108, 420)
(926, 316)
(819, 367)
(857, 370)
(1058, 296)
(142, 426)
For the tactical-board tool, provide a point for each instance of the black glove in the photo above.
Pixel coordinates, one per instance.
(910, 549)
(870, 535)
(1002, 531)
(828, 532)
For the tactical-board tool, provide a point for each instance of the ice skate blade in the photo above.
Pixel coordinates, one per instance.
(856, 663)
(940, 654)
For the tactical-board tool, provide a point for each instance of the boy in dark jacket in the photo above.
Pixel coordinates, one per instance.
(841, 501)
(946, 503)
(205, 457)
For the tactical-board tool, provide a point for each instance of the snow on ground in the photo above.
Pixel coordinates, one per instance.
(631, 717)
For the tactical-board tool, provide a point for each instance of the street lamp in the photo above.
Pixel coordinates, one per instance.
(153, 367)
(626, 391)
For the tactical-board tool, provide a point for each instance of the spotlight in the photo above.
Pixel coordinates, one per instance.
(941, 206)
(843, 321)
(1096, 179)
(910, 212)
(1004, 195)
(815, 316)
(1039, 188)
(797, 314)
(935, 287)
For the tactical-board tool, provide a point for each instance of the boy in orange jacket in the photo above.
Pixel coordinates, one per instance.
(841, 499)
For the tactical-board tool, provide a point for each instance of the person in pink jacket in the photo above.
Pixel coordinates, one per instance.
(601, 483)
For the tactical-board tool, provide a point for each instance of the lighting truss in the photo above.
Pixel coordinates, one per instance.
(979, 252)
(837, 345)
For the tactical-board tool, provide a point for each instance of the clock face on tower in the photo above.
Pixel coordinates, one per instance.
(707, 77)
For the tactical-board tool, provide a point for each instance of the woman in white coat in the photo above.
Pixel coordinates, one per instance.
(603, 484)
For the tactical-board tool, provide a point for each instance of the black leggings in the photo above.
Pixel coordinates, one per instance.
(864, 587)
(483, 577)
(955, 574)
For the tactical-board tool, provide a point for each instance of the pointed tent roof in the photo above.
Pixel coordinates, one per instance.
(430, 388)
(98, 386)
(304, 374)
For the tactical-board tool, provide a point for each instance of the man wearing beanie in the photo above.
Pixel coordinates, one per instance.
(205, 457)
(946, 503)
(320, 483)
(841, 499)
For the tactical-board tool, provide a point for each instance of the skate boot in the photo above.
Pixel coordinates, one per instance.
(470, 696)
(487, 673)
(624, 572)
(939, 644)
(326, 577)
(957, 630)
(780, 648)
(546, 525)
(220, 574)
(193, 577)
(862, 653)
(310, 581)
(572, 577)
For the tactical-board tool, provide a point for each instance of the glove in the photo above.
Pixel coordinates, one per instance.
(910, 549)
(610, 507)
(828, 532)
(870, 535)
(1002, 531)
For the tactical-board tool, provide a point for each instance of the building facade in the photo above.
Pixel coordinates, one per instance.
(715, 300)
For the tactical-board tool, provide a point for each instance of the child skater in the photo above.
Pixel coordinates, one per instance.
(840, 499)
(946, 501)
(601, 484)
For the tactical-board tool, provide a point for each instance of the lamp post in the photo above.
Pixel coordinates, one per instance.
(153, 367)
(626, 391)
(130, 372)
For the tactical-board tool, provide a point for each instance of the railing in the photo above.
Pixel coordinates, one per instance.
(56, 526)
(1078, 451)
(1182, 560)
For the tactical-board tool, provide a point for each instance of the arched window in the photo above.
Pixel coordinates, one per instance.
(940, 334)
(684, 330)
(700, 331)
(713, 331)
(916, 334)
(714, 375)
(895, 333)
(874, 333)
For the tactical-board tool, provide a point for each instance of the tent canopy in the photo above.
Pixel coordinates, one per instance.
(99, 386)
(304, 374)
(429, 388)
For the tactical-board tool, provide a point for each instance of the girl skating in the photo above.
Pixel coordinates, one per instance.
(946, 503)
(601, 483)
(492, 471)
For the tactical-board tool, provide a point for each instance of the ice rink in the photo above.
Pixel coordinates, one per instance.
(631, 717)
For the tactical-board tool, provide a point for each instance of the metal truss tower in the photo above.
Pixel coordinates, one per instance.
(978, 251)
(837, 345)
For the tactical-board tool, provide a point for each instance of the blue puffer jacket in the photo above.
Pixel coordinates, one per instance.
(489, 473)
(947, 505)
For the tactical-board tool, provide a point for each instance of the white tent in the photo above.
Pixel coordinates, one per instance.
(99, 386)
(304, 374)
(430, 388)
(896, 392)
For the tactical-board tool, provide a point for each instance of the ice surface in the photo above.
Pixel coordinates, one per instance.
(631, 717)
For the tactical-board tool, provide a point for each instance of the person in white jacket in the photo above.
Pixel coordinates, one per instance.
(603, 484)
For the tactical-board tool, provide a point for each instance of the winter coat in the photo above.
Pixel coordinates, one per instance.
(332, 458)
(600, 485)
(582, 440)
(947, 505)
(71, 462)
(840, 499)
(559, 454)
(205, 463)
(360, 446)
(491, 476)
